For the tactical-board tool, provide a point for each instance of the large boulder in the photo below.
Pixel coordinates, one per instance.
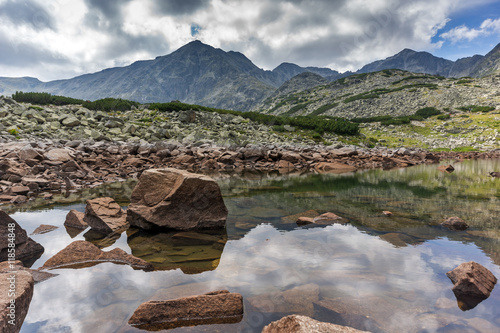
(82, 254)
(176, 199)
(473, 283)
(105, 215)
(303, 324)
(12, 236)
(217, 307)
(14, 305)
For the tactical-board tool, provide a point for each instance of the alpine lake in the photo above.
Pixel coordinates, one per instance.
(371, 271)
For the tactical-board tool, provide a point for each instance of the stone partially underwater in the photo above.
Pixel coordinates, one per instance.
(218, 307)
(176, 199)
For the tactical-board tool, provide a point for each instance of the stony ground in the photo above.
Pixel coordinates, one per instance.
(53, 148)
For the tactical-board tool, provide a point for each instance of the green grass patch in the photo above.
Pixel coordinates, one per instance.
(476, 108)
(323, 109)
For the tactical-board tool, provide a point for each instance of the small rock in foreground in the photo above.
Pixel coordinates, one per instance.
(473, 283)
(303, 324)
(218, 307)
(23, 281)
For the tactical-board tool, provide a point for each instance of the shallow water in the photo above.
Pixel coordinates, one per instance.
(373, 272)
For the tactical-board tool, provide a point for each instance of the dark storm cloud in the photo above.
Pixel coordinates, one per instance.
(28, 13)
(21, 54)
(180, 7)
(107, 16)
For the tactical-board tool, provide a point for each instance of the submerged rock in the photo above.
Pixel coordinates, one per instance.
(455, 223)
(83, 254)
(44, 228)
(13, 308)
(176, 199)
(446, 168)
(473, 283)
(303, 324)
(218, 307)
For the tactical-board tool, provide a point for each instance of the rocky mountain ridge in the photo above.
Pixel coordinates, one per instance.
(200, 74)
(388, 92)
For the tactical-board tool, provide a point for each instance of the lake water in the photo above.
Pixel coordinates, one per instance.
(373, 272)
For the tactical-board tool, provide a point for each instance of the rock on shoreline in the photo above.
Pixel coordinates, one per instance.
(27, 164)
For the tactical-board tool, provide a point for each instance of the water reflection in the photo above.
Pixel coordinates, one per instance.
(192, 252)
(377, 273)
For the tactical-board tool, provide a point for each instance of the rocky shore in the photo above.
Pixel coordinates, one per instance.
(28, 167)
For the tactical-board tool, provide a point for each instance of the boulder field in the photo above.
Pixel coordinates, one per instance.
(28, 167)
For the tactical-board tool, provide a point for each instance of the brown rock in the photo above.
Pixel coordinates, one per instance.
(5, 197)
(303, 324)
(327, 218)
(446, 168)
(28, 153)
(293, 218)
(7, 226)
(26, 249)
(217, 307)
(187, 159)
(44, 228)
(105, 215)
(455, 223)
(13, 308)
(84, 254)
(282, 164)
(19, 199)
(304, 220)
(176, 199)
(334, 167)
(74, 219)
(58, 155)
(38, 276)
(20, 190)
(473, 283)
(291, 157)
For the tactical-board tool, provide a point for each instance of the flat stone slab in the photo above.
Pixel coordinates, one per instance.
(218, 307)
(44, 228)
(83, 254)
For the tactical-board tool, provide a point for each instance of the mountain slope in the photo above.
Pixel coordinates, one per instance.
(388, 92)
(196, 73)
(411, 61)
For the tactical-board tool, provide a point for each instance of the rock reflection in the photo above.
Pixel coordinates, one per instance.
(192, 252)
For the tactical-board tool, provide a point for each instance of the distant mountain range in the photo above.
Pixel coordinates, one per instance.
(200, 74)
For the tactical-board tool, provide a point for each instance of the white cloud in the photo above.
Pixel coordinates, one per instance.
(86, 35)
(460, 33)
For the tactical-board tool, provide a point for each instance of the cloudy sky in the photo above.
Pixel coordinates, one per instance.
(59, 39)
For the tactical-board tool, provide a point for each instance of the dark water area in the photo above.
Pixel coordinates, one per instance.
(373, 272)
